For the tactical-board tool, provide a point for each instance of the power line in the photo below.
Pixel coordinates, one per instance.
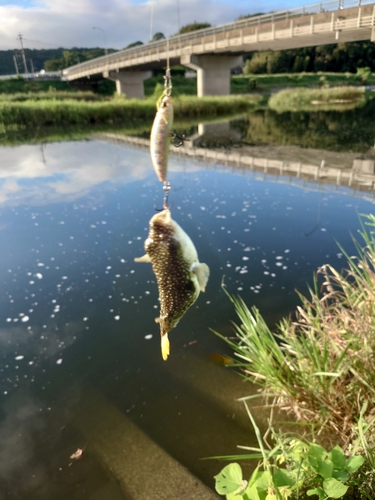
(23, 53)
(41, 42)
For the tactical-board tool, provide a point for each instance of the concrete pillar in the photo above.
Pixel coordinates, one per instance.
(129, 83)
(213, 72)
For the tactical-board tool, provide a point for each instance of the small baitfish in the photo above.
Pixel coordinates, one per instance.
(161, 137)
(179, 274)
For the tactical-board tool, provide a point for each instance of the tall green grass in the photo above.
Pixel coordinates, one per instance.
(57, 95)
(304, 99)
(320, 366)
(49, 112)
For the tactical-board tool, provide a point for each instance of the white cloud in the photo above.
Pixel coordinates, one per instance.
(69, 23)
(67, 171)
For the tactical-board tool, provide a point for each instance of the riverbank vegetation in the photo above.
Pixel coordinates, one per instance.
(269, 83)
(309, 99)
(36, 104)
(318, 367)
(117, 111)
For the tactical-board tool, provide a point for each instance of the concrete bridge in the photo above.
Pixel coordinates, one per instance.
(342, 170)
(213, 52)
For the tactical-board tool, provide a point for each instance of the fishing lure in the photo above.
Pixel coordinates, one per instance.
(161, 131)
(179, 274)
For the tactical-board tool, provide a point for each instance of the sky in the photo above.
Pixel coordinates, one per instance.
(69, 23)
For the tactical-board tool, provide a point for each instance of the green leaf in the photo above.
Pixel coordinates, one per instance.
(229, 479)
(314, 462)
(252, 493)
(317, 451)
(334, 488)
(234, 496)
(263, 481)
(282, 477)
(341, 475)
(253, 477)
(354, 463)
(338, 458)
(316, 491)
(325, 468)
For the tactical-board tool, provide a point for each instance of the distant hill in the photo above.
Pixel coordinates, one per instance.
(40, 56)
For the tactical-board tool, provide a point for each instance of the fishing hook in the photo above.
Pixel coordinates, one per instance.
(167, 188)
(182, 139)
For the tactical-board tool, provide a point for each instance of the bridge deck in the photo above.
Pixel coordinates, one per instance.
(317, 24)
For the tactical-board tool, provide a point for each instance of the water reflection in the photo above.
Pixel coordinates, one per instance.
(77, 315)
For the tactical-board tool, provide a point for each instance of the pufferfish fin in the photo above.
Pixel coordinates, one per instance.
(165, 347)
(144, 258)
(202, 272)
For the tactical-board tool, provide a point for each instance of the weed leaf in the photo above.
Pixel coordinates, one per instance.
(338, 458)
(354, 463)
(282, 477)
(317, 451)
(334, 488)
(229, 480)
(317, 491)
(325, 468)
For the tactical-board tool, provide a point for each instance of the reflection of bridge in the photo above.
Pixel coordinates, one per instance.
(212, 52)
(360, 178)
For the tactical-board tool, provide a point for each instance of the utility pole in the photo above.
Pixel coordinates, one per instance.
(152, 19)
(15, 63)
(32, 66)
(23, 54)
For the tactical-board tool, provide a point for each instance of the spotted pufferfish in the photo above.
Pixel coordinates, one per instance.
(179, 274)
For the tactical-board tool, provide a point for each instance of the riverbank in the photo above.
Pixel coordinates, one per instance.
(53, 112)
(318, 367)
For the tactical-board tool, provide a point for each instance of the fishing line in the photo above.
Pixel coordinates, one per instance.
(317, 220)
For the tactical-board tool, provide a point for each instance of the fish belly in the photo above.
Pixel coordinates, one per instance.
(160, 141)
(178, 287)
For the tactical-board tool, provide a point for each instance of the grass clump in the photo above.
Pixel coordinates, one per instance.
(326, 99)
(51, 94)
(55, 112)
(320, 368)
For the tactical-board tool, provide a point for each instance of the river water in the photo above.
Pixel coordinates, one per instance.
(80, 351)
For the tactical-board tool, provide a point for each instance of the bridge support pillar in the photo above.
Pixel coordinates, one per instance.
(129, 83)
(213, 72)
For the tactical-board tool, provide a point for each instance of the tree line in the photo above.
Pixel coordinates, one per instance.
(340, 58)
(337, 58)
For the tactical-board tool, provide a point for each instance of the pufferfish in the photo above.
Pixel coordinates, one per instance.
(179, 274)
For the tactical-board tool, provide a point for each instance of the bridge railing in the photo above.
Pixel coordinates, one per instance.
(181, 39)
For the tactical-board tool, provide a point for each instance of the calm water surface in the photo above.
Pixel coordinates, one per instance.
(77, 314)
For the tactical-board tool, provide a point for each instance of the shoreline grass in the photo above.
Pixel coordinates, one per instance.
(326, 99)
(116, 111)
(320, 367)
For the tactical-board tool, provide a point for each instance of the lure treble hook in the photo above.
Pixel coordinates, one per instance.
(166, 188)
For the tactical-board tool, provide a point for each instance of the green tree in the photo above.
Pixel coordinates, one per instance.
(134, 44)
(158, 36)
(193, 27)
(246, 16)
(72, 57)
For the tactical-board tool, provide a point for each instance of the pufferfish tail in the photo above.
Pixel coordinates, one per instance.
(165, 346)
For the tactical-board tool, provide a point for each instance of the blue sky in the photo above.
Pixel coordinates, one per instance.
(69, 23)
